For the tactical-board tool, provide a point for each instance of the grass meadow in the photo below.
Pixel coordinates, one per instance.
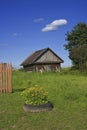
(67, 91)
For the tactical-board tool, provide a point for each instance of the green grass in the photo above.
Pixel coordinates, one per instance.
(67, 92)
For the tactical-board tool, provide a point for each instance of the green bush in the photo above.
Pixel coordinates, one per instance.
(35, 96)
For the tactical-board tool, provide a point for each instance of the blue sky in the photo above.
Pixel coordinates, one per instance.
(30, 25)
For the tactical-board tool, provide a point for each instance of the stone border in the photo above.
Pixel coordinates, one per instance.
(38, 108)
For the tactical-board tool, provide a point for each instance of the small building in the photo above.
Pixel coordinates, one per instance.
(42, 60)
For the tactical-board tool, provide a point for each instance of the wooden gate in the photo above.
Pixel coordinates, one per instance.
(5, 77)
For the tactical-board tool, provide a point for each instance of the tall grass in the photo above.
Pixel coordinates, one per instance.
(67, 92)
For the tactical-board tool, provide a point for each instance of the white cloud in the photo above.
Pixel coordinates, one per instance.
(54, 25)
(38, 20)
(15, 34)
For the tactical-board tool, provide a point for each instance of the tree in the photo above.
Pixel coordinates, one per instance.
(79, 56)
(77, 45)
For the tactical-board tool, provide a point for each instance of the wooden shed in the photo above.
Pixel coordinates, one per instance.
(42, 60)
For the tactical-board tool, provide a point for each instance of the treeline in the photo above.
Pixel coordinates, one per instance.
(77, 46)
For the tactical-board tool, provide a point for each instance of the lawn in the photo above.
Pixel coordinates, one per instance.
(67, 92)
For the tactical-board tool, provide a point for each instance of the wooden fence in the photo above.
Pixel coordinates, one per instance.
(5, 78)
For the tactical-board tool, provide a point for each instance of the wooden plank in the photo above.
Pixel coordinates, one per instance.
(1, 77)
(9, 77)
(6, 78)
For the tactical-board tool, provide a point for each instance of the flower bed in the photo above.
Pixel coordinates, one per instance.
(36, 100)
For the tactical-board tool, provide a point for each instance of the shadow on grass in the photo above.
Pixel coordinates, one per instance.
(18, 90)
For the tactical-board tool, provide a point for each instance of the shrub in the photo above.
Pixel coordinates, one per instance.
(35, 96)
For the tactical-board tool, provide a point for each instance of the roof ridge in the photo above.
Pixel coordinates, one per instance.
(42, 49)
(40, 53)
